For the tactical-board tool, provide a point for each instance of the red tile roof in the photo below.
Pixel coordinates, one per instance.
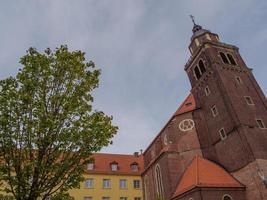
(188, 105)
(102, 163)
(204, 173)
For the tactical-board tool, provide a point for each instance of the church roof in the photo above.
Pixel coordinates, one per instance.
(204, 173)
(188, 105)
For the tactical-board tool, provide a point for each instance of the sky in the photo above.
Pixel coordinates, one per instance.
(141, 46)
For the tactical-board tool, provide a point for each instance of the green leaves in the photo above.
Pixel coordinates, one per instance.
(47, 126)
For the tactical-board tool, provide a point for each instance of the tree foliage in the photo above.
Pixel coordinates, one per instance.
(48, 128)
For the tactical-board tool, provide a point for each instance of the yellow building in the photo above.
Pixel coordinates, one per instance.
(112, 177)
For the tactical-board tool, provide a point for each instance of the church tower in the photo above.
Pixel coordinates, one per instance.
(231, 115)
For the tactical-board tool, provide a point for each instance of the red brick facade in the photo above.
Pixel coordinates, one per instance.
(224, 120)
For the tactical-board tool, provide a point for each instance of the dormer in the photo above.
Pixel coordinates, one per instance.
(114, 166)
(134, 167)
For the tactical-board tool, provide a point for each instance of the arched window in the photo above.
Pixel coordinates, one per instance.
(202, 67)
(224, 58)
(231, 59)
(227, 197)
(197, 72)
(146, 182)
(159, 181)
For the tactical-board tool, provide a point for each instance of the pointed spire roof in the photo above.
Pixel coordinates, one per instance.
(204, 173)
(197, 29)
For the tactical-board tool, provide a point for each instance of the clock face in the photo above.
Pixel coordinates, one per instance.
(186, 125)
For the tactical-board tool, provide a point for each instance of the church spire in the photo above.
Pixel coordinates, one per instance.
(196, 27)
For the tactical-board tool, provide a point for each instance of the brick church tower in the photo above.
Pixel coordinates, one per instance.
(215, 144)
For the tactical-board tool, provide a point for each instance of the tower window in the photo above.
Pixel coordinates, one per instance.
(224, 58)
(207, 90)
(249, 100)
(238, 79)
(214, 111)
(231, 59)
(197, 72)
(260, 123)
(222, 134)
(202, 67)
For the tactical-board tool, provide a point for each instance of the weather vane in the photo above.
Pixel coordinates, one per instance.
(193, 19)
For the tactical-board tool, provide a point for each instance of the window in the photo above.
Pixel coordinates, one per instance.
(202, 67)
(238, 80)
(114, 166)
(137, 198)
(123, 198)
(106, 183)
(87, 198)
(207, 90)
(224, 58)
(136, 184)
(90, 166)
(197, 72)
(227, 197)
(231, 59)
(260, 123)
(89, 183)
(123, 184)
(105, 198)
(134, 167)
(159, 181)
(249, 100)
(214, 111)
(222, 134)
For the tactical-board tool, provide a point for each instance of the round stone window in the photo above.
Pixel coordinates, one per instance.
(186, 125)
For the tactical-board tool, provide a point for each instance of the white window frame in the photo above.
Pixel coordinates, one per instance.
(214, 111)
(224, 135)
(238, 80)
(123, 184)
(250, 99)
(259, 126)
(90, 166)
(114, 167)
(89, 183)
(207, 90)
(106, 183)
(139, 184)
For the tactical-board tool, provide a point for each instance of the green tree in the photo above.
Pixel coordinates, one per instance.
(48, 128)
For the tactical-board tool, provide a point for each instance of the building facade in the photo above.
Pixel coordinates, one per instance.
(215, 144)
(110, 177)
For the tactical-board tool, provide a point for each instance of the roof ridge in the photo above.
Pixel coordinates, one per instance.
(197, 179)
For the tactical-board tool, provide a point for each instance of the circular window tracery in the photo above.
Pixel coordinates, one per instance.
(186, 125)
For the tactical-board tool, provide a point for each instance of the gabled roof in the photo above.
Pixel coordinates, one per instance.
(204, 173)
(188, 105)
(102, 163)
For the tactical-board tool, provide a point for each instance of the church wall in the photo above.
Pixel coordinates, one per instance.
(178, 149)
(249, 176)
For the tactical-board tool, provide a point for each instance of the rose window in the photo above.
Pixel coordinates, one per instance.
(186, 125)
